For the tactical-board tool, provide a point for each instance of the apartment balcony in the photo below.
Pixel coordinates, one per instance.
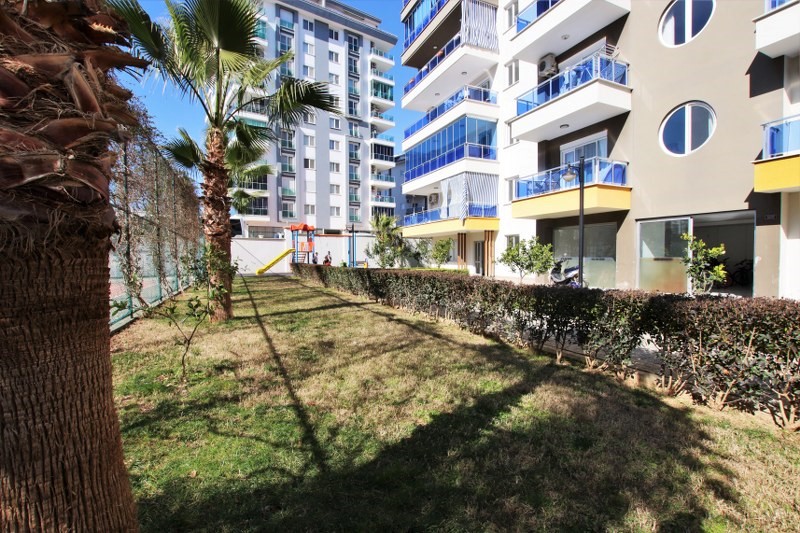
(380, 57)
(594, 90)
(287, 168)
(382, 138)
(381, 100)
(382, 76)
(449, 221)
(354, 178)
(354, 156)
(547, 195)
(354, 218)
(779, 168)
(443, 15)
(255, 184)
(462, 158)
(288, 192)
(257, 212)
(381, 121)
(382, 161)
(382, 181)
(555, 26)
(287, 144)
(286, 25)
(474, 101)
(778, 29)
(446, 72)
(354, 199)
(385, 201)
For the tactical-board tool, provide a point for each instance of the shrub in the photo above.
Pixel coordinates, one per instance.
(737, 353)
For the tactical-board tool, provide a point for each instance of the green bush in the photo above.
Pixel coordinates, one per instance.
(726, 352)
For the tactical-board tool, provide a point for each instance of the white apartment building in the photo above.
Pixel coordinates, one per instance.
(663, 100)
(332, 171)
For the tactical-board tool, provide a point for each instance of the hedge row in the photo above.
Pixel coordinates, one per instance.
(741, 353)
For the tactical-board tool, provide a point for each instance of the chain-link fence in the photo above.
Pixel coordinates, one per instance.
(158, 213)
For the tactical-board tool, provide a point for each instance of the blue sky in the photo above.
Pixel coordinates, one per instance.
(172, 111)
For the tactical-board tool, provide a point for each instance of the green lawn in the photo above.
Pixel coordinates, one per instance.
(314, 410)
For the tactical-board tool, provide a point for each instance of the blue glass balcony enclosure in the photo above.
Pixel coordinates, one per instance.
(445, 51)
(444, 213)
(466, 93)
(466, 137)
(529, 15)
(419, 18)
(590, 69)
(781, 137)
(773, 4)
(597, 171)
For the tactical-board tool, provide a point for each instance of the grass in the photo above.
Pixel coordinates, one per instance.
(313, 410)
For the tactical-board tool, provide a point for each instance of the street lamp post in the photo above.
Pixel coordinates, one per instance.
(568, 176)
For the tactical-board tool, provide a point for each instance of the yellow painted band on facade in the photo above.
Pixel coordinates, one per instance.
(597, 199)
(452, 226)
(777, 175)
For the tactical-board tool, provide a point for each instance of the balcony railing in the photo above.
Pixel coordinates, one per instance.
(287, 144)
(381, 74)
(354, 91)
(419, 28)
(287, 167)
(288, 191)
(260, 211)
(590, 69)
(445, 51)
(286, 71)
(354, 218)
(381, 53)
(256, 106)
(285, 25)
(531, 13)
(385, 95)
(466, 93)
(382, 177)
(449, 213)
(382, 137)
(597, 171)
(383, 199)
(261, 29)
(354, 155)
(354, 198)
(474, 151)
(355, 133)
(382, 116)
(781, 137)
(383, 157)
(354, 177)
(769, 5)
(288, 215)
(258, 184)
(353, 71)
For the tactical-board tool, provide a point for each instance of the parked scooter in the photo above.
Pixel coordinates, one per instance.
(564, 276)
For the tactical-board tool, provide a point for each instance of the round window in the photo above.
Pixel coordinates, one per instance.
(684, 20)
(687, 128)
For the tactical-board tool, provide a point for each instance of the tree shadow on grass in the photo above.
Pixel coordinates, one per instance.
(558, 450)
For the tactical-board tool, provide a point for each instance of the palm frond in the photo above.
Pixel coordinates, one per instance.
(294, 97)
(240, 201)
(184, 150)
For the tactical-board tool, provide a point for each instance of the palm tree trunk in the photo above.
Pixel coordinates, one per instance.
(217, 219)
(61, 463)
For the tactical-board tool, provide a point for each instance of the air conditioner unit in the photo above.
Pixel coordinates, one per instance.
(548, 66)
(433, 199)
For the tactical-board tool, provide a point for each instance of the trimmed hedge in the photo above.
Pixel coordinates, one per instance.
(727, 352)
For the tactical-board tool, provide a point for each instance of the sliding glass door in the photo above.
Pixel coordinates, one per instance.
(661, 250)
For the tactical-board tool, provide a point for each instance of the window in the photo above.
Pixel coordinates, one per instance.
(309, 140)
(511, 241)
(511, 14)
(287, 210)
(335, 168)
(336, 211)
(352, 108)
(352, 65)
(588, 147)
(333, 35)
(335, 146)
(309, 163)
(513, 72)
(333, 57)
(309, 209)
(309, 117)
(352, 43)
(284, 43)
(355, 175)
(259, 205)
(308, 72)
(354, 149)
(308, 48)
(336, 101)
(335, 123)
(333, 79)
(335, 189)
(687, 128)
(684, 20)
(353, 129)
(308, 25)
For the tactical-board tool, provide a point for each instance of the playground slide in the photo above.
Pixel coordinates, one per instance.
(274, 262)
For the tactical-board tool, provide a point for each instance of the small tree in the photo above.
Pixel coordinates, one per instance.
(702, 265)
(528, 256)
(441, 251)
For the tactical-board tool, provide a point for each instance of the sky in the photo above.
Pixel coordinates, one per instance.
(171, 110)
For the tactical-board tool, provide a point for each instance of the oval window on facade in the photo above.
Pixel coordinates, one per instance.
(684, 20)
(687, 128)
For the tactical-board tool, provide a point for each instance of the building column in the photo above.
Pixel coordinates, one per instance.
(488, 252)
(461, 250)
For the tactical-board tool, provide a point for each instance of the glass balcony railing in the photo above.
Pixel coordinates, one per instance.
(531, 13)
(354, 198)
(412, 35)
(781, 137)
(355, 133)
(466, 93)
(261, 29)
(590, 69)
(287, 144)
(473, 151)
(354, 218)
(449, 213)
(257, 184)
(597, 171)
(383, 199)
(354, 177)
(286, 71)
(381, 74)
(286, 25)
(260, 211)
(384, 95)
(383, 157)
(382, 177)
(769, 5)
(445, 51)
(381, 53)
(288, 215)
(287, 167)
(382, 116)
(353, 90)
(354, 155)
(288, 191)
(383, 137)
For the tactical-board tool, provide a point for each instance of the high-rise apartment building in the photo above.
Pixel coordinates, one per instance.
(332, 171)
(663, 101)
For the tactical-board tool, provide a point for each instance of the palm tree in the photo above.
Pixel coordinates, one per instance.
(209, 52)
(389, 246)
(61, 463)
